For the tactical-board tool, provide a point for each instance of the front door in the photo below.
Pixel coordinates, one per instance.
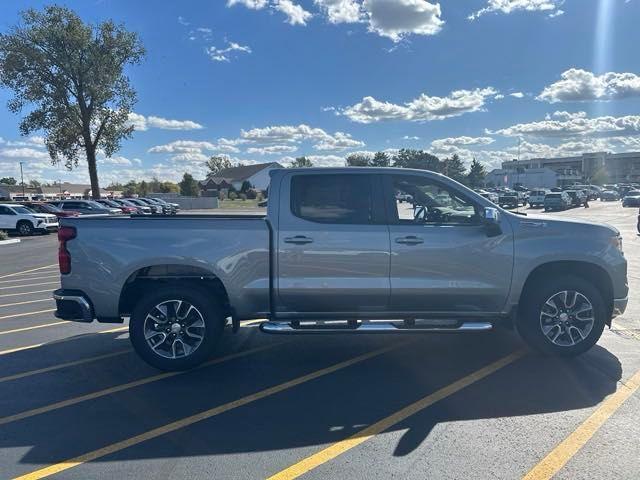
(333, 245)
(442, 259)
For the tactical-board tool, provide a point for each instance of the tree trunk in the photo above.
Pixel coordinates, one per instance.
(93, 173)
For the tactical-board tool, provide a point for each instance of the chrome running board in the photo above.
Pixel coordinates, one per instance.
(374, 327)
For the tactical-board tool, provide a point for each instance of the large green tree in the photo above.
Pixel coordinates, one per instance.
(408, 158)
(71, 75)
(381, 159)
(8, 181)
(454, 168)
(301, 162)
(358, 160)
(477, 174)
(189, 186)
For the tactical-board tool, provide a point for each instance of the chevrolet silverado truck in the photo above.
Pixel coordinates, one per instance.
(337, 252)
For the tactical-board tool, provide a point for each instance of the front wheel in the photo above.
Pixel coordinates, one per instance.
(25, 228)
(176, 328)
(564, 316)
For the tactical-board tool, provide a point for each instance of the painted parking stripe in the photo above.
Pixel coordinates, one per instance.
(559, 456)
(25, 293)
(185, 422)
(14, 280)
(28, 301)
(338, 448)
(126, 386)
(27, 271)
(44, 344)
(34, 327)
(30, 285)
(26, 314)
(59, 366)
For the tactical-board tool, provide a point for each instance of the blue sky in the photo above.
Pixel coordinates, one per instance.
(268, 80)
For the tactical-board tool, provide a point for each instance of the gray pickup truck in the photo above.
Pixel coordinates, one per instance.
(338, 253)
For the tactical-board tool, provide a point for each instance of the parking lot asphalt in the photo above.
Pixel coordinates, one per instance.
(77, 403)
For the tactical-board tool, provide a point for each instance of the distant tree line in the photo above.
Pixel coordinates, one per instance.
(144, 188)
(453, 167)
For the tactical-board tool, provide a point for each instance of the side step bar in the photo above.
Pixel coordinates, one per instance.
(287, 328)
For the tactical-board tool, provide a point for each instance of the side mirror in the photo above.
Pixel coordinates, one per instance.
(492, 221)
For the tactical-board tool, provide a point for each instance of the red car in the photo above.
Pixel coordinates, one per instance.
(42, 207)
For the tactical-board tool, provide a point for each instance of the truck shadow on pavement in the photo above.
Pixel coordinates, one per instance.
(315, 413)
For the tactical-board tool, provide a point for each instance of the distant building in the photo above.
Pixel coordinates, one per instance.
(257, 175)
(619, 167)
(531, 177)
(55, 191)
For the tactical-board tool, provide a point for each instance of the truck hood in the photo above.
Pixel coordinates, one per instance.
(557, 224)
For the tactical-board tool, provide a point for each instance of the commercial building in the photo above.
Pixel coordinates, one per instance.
(56, 191)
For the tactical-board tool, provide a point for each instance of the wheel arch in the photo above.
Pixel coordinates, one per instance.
(591, 272)
(155, 276)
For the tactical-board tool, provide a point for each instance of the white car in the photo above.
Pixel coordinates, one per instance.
(536, 197)
(25, 221)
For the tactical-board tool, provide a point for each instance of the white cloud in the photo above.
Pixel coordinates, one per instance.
(287, 134)
(498, 97)
(24, 153)
(341, 11)
(117, 160)
(338, 141)
(395, 19)
(252, 4)
(460, 141)
(142, 123)
(517, 94)
(226, 54)
(576, 85)
(272, 149)
(183, 146)
(296, 15)
(422, 108)
(565, 124)
(510, 6)
(407, 137)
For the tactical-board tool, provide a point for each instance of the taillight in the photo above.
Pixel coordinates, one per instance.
(64, 257)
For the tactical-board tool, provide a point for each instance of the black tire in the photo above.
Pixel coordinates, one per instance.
(24, 228)
(529, 321)
(211, 313)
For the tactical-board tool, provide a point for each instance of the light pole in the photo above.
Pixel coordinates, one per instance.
(22, 179)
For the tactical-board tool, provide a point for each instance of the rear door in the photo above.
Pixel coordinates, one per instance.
(332, 244)
(442, 259)
(7, 218)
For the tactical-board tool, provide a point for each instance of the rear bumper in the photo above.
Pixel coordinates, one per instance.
(73, 305)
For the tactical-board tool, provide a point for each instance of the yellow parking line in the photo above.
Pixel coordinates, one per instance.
(28, 301)
(26, 314)
(28, 279)
(30, 285)
(559, 456)
(123, 387)
(25, 293)
(362, 436)
(27, 271)
(59, 366)
(185, 422)
(36, 345)
(35, 327)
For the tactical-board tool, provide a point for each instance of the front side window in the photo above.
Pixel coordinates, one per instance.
(5, 211)
(344, 199)
(419, 200)
(23, 210)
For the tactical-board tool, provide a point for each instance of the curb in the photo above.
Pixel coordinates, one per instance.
(10, 241)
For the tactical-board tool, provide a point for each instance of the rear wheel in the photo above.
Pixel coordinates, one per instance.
(564, 316)
(25, 227)
(176, 328)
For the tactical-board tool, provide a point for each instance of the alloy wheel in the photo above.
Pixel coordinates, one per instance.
(567, 318)
(174, 329)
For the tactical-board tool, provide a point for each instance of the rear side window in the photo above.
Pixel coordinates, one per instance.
(332, 198)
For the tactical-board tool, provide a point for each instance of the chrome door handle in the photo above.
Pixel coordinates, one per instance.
(298, 240)
(410, 240)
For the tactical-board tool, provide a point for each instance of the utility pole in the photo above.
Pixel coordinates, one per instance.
(22, 178)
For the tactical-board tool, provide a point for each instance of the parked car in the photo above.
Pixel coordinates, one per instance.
(510, 200)
(335, 246)
(43, 207)
(85, 207)
(139, 209)
(18, 218)
(592, 191)
(108, 203)
(167, 209)
(536, 198)
(162, 201)
(609, 196)
(491, 196)
(556, 201)
(155, 209)
(578, 197)
(631, 199)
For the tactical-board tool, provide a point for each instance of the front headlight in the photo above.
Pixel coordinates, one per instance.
(617, 242)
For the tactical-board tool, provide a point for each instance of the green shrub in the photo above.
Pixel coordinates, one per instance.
(3, 235)
(233, 195)
(242, 196)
